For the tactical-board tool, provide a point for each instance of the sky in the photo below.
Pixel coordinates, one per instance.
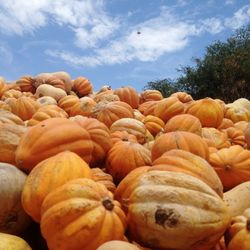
(112, 42)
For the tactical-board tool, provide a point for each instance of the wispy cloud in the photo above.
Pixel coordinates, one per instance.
(229, 2)
(5, 54)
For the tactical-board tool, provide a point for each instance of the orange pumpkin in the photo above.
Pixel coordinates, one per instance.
(109, 112)
(180, 140)
(129, 95)
(226, 123)
(147, 108)
(209, 112)
(118, 136)
(72, 212)
(153, 124)
(183, 97)
(242, 125)
(5, 106)
(184, 122)
(100, 136)
(12, 93)
(3, 86)
(82, 86)
(26, 84)
(51, 137)
(235, 136)
(83, 107)
(150, 95)
(8, 117)
(232, 165)
(56, 82)
(178, 160)
(247, 136)
(123, 157)
(67, 102)
(168, 107)
(47, 176)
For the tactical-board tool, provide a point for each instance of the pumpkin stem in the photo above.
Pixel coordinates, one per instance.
(107, 203)
(248, 224)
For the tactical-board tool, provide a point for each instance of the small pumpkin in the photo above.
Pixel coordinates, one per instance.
(48, 90)
(117, 244)
(26, 84)
(82, 86)
(10, 242)
(153, 124)
(150, 95)
(183, 96)
(72, 212)
(129, 95)
(67, 102)
(83, 107)
(46, 100)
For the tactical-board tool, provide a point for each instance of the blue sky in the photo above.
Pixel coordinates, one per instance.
(114, 42)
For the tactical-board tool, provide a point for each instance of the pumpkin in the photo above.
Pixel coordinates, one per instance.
(10, 242)
(101, 95)
(239, 232)
(83, 107)
(46, 100)
(247, 136)
(184, 122)
(72, 212)
(8, 117)
(132, 126)
(109, 112)
(232, 165)
(49, 138)
(163, 206)
(243, 102)
(47, 176)
(5, 106)
(153, 124)
(236, 114)
(67, 102)
(82, 86)
(2, 86)
(219, 139)
(209, 112)
(129, 95)
(45, 112)
(24, 107)
(180, 140)
(122, 136)
(150, 95)
(226, 123)
(138, 115)
(237, 198)
(13, 219)
(242, 125)
(9, 139)
(123, 157)
(26, 84)
(48, 90)
(147, 108)
(106, 179)
(117, 244)
(183, 97)
(178, 160)
(12, 93)
(100, 136)
(55, 82)
(235, 136)
(168, 107)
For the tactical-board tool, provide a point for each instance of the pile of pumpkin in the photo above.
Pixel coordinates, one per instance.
(118, 169)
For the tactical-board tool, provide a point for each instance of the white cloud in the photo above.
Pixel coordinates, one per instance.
(229, 2)
(240, 17)
(212, 25)
(5, 55)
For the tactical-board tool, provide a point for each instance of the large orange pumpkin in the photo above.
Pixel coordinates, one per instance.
(26, 84)
(232, 165)
(180, 140)
(153, 124)
(150, 95)
(47, 176)
(163, 206)
(50, 137)
(129, 95)
(81, 215)
(122, 136)
(67, 102)
(147, 108)
(83, 107)
(82, 86)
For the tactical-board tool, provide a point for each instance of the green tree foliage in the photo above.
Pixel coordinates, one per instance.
(223, 73)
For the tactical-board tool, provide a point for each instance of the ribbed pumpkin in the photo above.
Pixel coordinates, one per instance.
(218, 138)
(232, 165)
(150, 95)
(46, 100)
(242, 125)
(45, 112)
(132, 126)
(24, 107)
(26, 84)
(235, 136)
(67, 102)
(147, 108)
(153, 124)
(129, 95)
(183, 96)
(101, 95)
(178, 160)
(118, 136)
(51, 137)
(12, 93)
(180, 140)
(9, 139)
(116, 244)
(239, 232)
(209, 112)
(164, 206)
(168, 107)
(237, 114)
(72, 212)
(106, 179)
(47, 176)
(8, 117)
(100, 136)
(184, 122)
(56, 82)
(82, 86)
(83, 107)
(226, 123)
(109, 112)
(123, 157)
(13, 219)
(9, 242)
(5, 106)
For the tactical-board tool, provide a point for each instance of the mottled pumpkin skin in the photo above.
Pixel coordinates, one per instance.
(13, 219)
(10, 242)
(164, 206)
(81, 215)
(50, 137)
(47, 176)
